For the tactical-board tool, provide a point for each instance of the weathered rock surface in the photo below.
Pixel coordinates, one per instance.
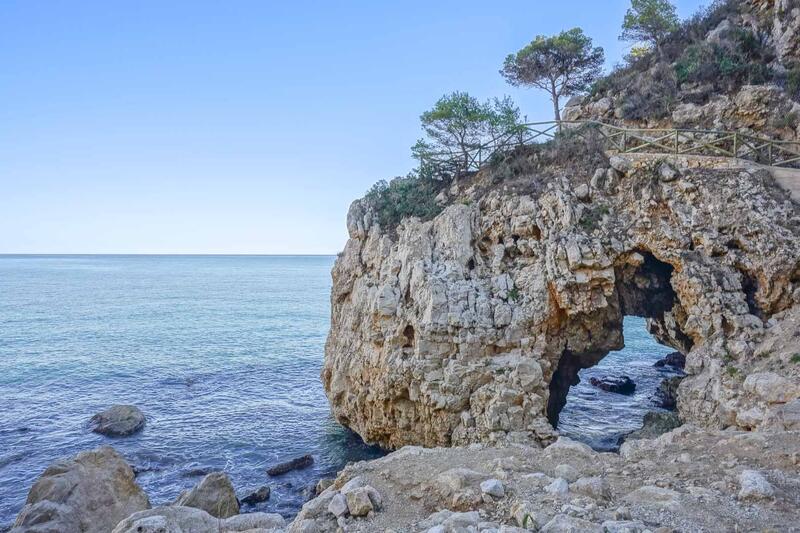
(179, 519)
(725, 488)
(214, 494)
(471, 327)
(666, 395)
(118, 421)
(90, 493)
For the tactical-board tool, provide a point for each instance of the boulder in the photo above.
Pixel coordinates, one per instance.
(619, 385)
(258, 496)
(90, 493)
(297, 463)
(179, 519)
(214, 494)
(359, 502)
(118, 421)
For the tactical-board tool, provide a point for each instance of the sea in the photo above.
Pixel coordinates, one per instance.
(222, 354)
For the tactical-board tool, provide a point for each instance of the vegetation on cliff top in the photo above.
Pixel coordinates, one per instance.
(670, 61)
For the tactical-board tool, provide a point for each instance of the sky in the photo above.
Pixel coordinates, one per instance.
(242, 126)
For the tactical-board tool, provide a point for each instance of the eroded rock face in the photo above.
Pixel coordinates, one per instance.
(90, 493)
(471, 327)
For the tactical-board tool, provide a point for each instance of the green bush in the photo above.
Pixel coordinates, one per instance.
(741, 59)
(412, 196)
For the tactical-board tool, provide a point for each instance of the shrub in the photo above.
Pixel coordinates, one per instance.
(741, 59)
(650, 96)
(404, 197)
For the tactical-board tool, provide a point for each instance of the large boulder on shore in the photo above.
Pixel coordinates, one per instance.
(214, 494)
(118, 421)
(89, 493)
(179, 519)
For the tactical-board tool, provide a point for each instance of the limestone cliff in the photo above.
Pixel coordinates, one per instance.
(472, 326)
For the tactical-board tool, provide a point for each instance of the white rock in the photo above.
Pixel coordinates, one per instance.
(493, 487)
(214, 494)
(558, 487)
(338, 505)
(568, 472)
(754, 486)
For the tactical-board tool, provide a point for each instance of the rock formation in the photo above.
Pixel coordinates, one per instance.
(89, 493)
(472, 326)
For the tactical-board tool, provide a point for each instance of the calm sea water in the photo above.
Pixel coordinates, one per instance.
(221, 353)
(600, 418)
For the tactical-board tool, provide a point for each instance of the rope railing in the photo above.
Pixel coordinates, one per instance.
(676, 141)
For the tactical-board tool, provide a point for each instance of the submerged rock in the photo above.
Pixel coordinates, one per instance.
(621, 385)
(90, 493)
(179, 519)
(258, 496)
(294, 464)
(674, 359)
(118, 421)
(214, 494)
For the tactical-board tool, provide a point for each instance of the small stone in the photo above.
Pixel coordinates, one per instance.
(359, 502)
(623, 526)
(622, 513)
(754, 486)
(594, 487)
(562, 523)
(338, 505)
(667, 172)
(493, 487)
(558, 487)
(568, 472)
(118, 421)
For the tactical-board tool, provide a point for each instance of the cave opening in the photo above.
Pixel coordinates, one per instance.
(597, 395)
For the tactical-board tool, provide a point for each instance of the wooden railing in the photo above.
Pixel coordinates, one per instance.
(617, 139)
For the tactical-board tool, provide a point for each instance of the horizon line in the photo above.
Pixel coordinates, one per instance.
(45, 254)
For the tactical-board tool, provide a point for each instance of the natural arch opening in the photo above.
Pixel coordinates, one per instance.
(648, 316)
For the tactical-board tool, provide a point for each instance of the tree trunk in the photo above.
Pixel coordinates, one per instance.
(556, 109)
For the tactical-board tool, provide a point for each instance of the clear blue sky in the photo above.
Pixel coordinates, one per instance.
(237, 126)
